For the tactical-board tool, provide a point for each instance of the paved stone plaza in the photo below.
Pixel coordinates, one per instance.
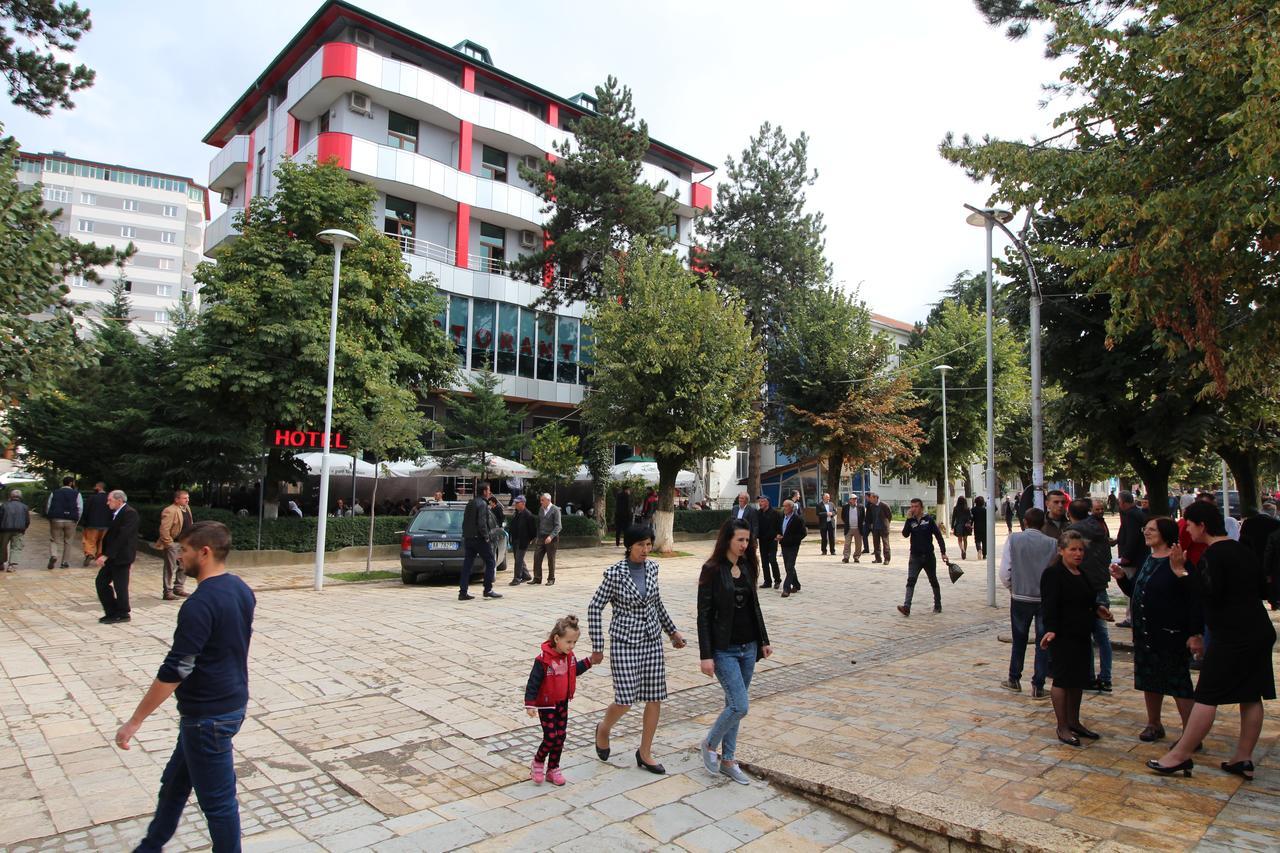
(390, 717)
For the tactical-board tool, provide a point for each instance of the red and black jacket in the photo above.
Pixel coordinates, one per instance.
(553, 678)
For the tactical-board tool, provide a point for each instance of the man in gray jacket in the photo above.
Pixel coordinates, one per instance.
(1026, 554)
(547, 539)
(15, 518)
(478, 526)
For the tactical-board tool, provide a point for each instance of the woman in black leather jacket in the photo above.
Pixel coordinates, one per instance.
(731, 638)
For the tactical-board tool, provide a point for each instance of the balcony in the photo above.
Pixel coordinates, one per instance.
(228, 168)
(221, 231)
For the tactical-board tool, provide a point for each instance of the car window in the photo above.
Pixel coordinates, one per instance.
(437, 521)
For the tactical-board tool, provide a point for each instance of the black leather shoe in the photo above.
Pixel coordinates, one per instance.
(777, 584)
(1239, 768)
(536, 581)
(551, 581)
(602, 754)
(652, 768)
(516, 582)
(105, 619)
(463, 596)
(113, 620)
(766, 585)
(1184, 768)
(1083, 732)
(492, 594)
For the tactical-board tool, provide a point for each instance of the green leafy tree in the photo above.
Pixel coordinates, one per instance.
(676, 370)
(38, 80)
(599, 204)
(480, 425)
(555, 457)
(597, 455)
(762, 245)
(263, 336)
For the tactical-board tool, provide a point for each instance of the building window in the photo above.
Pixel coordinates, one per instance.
(164, 290)
(170, 210)
(78, 281)
(482, 318)
(86, 226)
(547, 347)
(88, 198)
(672, 230)
(163, 317)
(402, 132)
(586, 353)
(129, 204)
(458, 322)
(128, 231)
(567, 350)
(324, 122)
(164, 263)
(527, 350)
(493, 239)
(508, 321)
(493, 164)
(57, 194)
(399, 221)
(260, 171)
(743, 459)
(167, 237)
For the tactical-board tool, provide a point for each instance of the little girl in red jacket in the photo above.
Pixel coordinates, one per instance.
(551, 683)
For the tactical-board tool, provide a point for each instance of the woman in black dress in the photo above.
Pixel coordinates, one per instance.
(1069, 604)
(962, 525)
(979, 522)
(1237, 665)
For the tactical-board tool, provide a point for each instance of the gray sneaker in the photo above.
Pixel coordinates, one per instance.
(734, 772)
(710, 759)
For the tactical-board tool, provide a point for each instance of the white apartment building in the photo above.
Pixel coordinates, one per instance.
(162, 216)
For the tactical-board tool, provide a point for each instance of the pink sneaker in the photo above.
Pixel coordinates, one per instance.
(555, 777)
(537, 772)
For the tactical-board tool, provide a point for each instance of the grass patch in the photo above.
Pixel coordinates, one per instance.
(355, 577)
(673, 554)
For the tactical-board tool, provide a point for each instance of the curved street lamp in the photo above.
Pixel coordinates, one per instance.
(946, 468)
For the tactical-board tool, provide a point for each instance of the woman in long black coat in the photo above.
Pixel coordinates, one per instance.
(1237, 668)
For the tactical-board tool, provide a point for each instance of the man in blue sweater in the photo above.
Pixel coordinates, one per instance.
(208, 669)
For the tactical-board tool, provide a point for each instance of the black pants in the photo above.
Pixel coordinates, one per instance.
(555, 725)
(980, 539)
(928, 562)
(827, 530)
(769, 557)
(471, 549)
(113, 588)
(792, 583)
(620, 526)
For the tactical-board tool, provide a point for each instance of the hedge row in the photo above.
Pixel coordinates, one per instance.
(284, 534)
(577, 525)
(700, 520)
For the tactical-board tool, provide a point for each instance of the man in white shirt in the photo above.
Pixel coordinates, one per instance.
(744, 511)
(850, 517)
(827, 524)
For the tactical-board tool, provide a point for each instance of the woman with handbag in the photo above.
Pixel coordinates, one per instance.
(1161, 612)
(962, 525)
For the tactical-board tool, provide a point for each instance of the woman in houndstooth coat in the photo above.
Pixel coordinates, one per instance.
(639, 619)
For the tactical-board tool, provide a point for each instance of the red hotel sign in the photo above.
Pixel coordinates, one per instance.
(306, 438)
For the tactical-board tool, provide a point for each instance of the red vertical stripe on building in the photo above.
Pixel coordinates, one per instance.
(335, 147)
(464, 147)
(339, 60)
(468, 78)
(553, 114)
(291, 134)
(462, 242)
(701, 197)
(248, 174)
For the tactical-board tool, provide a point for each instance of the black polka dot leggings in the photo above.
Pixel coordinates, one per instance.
(555, 723)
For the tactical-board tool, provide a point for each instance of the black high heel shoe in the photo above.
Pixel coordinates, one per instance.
(1069, 741)
(652, 768)
(1083, 732)
(1240, 768)
(1184, 767)
(602, 754)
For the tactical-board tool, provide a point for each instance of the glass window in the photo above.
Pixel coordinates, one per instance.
(546, 346)
(165, 264)
(128, 231)
(567, 350)
(508, 320)
(163, 317)
(260, 171)
(399, 221)
(170, 210)
(164, 290)
(482, 317)
(324, 122)
(458, 323)
(129, 204)
(493, 241)
(167, 236)
(493, 163)
(88, 198)
(402, 132)
(86, 226)
(743, 458)
(526, 343)
(586, 353)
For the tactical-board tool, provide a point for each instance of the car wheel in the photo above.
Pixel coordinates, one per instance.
(408, 577)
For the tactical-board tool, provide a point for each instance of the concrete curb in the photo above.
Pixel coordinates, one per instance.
(924, 819)
(1122, 645)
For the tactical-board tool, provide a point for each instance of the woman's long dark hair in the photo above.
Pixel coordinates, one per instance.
(961, 503)
(720, 553)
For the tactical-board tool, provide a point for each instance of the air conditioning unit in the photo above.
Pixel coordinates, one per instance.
(532, 162)
(528, 239)
(359, 103)
(363, 38)
(227, 195)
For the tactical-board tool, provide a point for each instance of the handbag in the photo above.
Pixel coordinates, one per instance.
(954, 571)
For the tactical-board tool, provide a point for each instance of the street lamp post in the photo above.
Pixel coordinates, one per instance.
(987, 219)
(336, 238)
(946, 467)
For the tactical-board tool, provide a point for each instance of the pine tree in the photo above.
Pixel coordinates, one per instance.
(38, 80)
(479, 425)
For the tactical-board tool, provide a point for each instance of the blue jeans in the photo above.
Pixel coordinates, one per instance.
(1102, 639)
(1021, 615)
(472, 548)
(734, 667)
(202, 760)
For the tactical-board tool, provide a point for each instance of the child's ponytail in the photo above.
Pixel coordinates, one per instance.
(563, 626)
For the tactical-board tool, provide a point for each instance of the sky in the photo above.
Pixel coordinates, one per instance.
(875, 85)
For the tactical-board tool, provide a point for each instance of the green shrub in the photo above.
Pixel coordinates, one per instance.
(700, 520)
(578, 525)
(294, 534)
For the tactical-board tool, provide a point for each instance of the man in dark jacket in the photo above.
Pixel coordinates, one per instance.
(1097, 570)
(1055, 513)
(790, 535)
(827, 524)
(119, 549)
(523, 527)
(770, 521)
(95, 521)
(621, 515)
(920, 529)
(478, 525)
(851, 521)
(1131, 546)
(878, 517)
(744, 511)
(63, 512)
(15, 518)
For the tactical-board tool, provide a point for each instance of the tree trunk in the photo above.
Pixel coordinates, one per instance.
(835, 467)
(1244, 468)
(664, 518)
(753, 466)
(597, 501)
(373, 510)
(1155, 478)
(968, 481)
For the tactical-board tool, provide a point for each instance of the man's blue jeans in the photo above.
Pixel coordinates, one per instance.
(1021, 615)
(1102, 639)
(202, 760)
(734, 667)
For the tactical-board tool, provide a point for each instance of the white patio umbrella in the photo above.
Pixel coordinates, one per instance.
(503, 467)
(649, 471)
(338, 464)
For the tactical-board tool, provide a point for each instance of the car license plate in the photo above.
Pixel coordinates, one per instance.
(442, 546)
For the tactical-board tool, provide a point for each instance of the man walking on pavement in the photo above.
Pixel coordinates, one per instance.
(174, 519)
(790, 535)
(920, 528)
(523, 527)
(621, 514)
(1131, 545)
(478, 525)
(15, 518)
(548, 538)
(1022, 562)
(1096, 568)
(770, 521)
(63, 511)
(208, 669)
(878, 516)
(95, 521)
(827, 524)
(119, 549)
(744, 511)
(851, 520)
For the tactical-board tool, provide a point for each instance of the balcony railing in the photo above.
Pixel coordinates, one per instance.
(445, 255)
(228, 168)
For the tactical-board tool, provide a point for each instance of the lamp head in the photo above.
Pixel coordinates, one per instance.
(336, 237)
(980, 217)
(943, 367)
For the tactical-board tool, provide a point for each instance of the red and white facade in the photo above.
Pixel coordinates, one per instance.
(440, 132)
